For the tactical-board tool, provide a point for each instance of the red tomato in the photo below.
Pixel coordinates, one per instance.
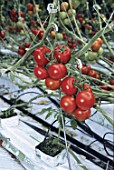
(92, 73)
(13, 12)
(104, 87)
(87, 87)
(39, 55)
(85, 70)
(2, 34)
(85, 100)
(68, 104)
(27, 45)
(111, 82)
(62, 53)
(21, 52)
(82, 115)
(40, 72)
(68, 87)
(57, 71)
(30, 6)
(52, 84)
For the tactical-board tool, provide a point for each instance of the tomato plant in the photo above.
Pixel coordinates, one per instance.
(85, 100)
(40, 55)
(57, 71)
(82, 115)
(52, 84)
(62, 53)
(68, 104)
(68, 86)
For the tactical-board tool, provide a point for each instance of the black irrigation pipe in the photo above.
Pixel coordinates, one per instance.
(85, 128)
(87, 151)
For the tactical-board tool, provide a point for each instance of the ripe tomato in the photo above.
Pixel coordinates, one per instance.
(52, 84)
(30, 7)
(87, 87)
(21, 52)
(2, 34)
(92, 73)
(68, 87)
(68, 104)
(57, 71)
(82, 115)
(40, 72)
(62, 53)
(39, 55)
(85, 70)
(85, 100)
(104, 87)
(111, 82)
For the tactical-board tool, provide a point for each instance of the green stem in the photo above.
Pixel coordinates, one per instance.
(97, 107)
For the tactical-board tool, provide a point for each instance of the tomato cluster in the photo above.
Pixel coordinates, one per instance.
(75, 101)
(23, 48)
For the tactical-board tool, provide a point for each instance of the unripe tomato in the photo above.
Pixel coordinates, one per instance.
(40, 72)
(63, 15)
(68, 104)
(64, 6)
(81, 115)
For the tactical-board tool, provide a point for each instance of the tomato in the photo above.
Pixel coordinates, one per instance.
(71, 12)
(111, 82)
(63, 14)
(27, 45)
(59, 36)
(68, 86)
(13, 12)
(62, 53)
(97, 76)
(92, 73)
(38, 32)
(100, 51)
(40, 55)
(30, 7)
(87, 87)
(85, 100)
(82, 115)
(68, 104)
(52, 84)
(2, 34)
(97, 44)
(52, 34)
(64, 6)
(90, 56)
(104, 87)
(85, 70)
(57, 71)
(40, 72)
(21, 52)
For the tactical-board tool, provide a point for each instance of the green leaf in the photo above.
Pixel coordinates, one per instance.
(45, 110)
(49, 114)
(73, 123)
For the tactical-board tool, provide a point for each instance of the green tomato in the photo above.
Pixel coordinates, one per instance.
(91, 56)
(100, 51)
(59, 36)
(62, 15)
(67, 21)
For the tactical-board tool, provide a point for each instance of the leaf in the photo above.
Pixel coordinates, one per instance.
(73, 123)
(49, 114)
(45, 110)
